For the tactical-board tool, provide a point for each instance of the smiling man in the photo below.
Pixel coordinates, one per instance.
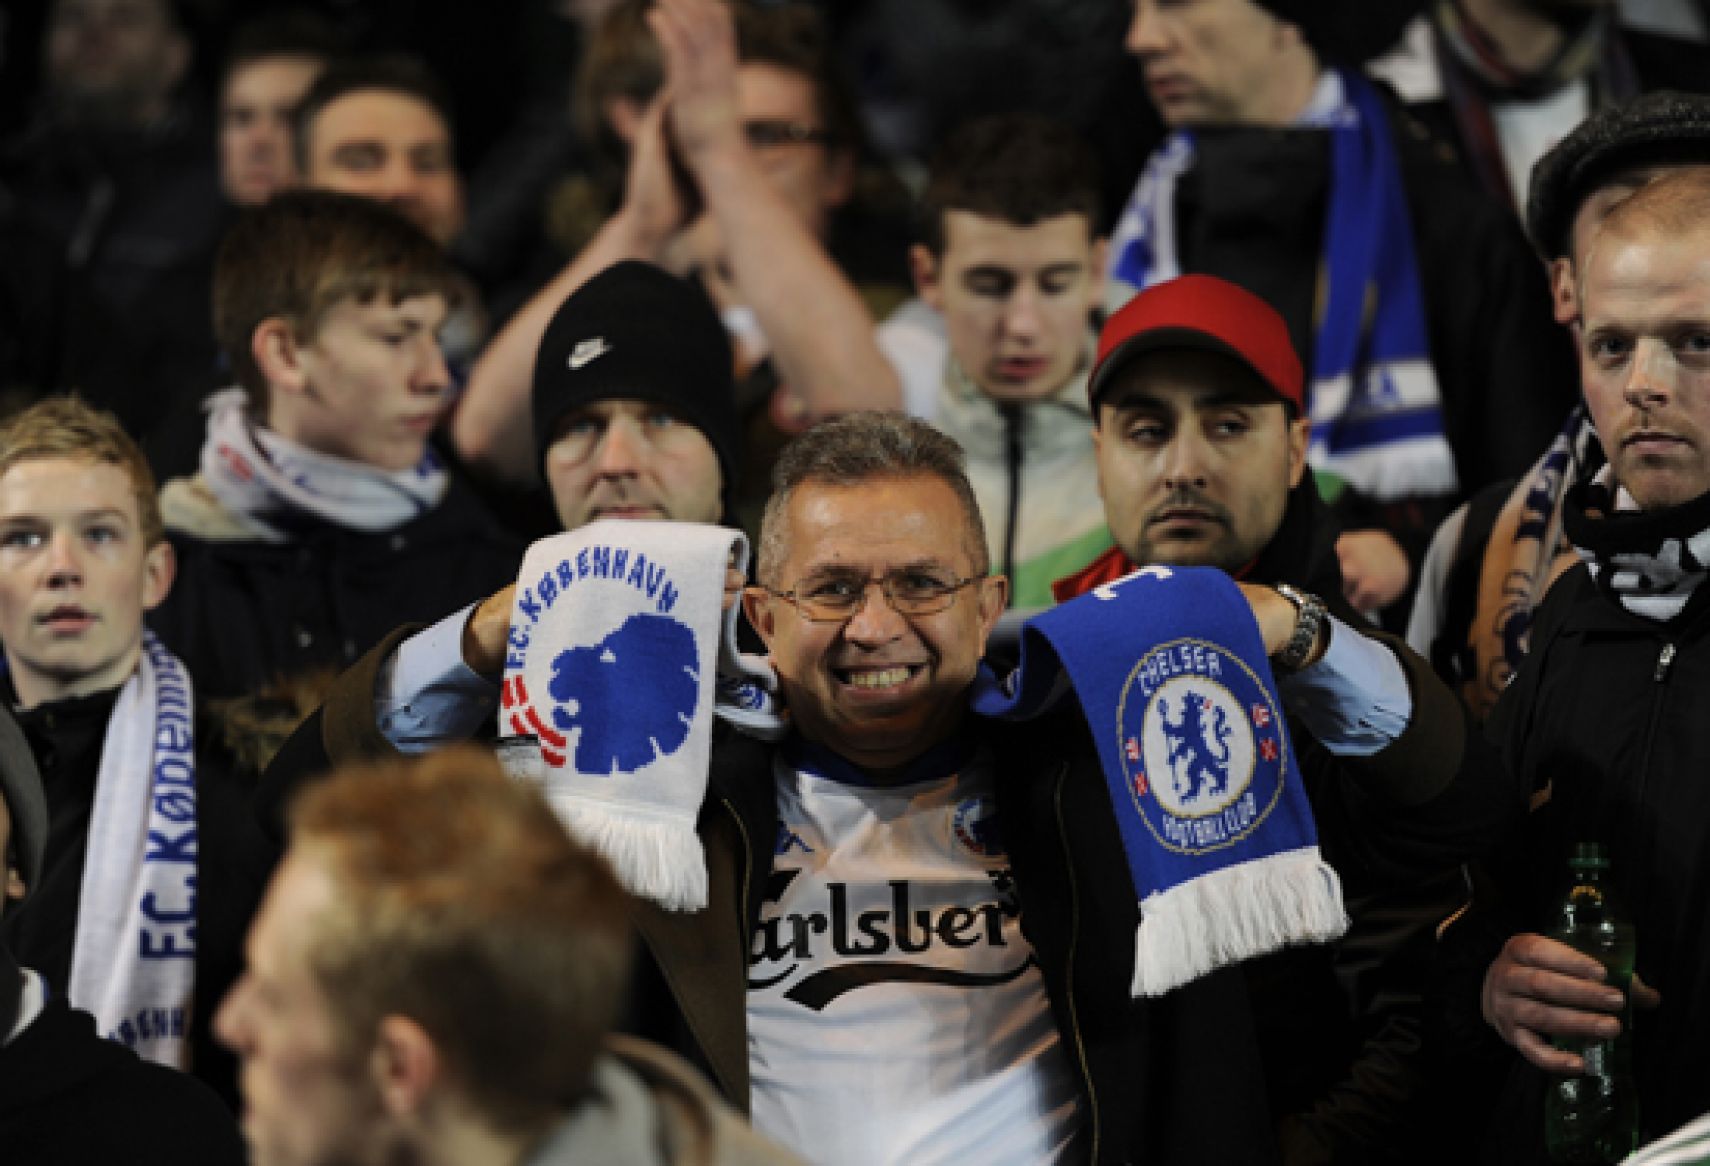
(321, 514)
(1602, 719)
(919, 936)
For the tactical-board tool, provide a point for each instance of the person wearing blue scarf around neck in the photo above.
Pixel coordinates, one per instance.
(1433, 365)
(1201, 447)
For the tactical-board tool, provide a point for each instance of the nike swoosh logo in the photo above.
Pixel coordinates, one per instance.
(587, 352)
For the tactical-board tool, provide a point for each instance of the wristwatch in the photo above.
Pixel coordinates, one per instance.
(1309, 621)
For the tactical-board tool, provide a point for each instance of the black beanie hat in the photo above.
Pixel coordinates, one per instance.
(1347, 32)
(1656, 129)
(637, 332)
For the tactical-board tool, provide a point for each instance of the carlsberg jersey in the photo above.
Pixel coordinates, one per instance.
(895, 1013)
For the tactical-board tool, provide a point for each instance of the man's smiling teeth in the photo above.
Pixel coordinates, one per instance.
(878, 678)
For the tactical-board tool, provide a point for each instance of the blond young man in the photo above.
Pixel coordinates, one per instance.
(142, 895)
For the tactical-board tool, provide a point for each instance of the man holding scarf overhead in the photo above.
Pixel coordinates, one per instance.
(1433, 365)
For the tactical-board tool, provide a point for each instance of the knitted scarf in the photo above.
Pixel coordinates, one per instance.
(617, 634)
(277, 486)
(1374, 402)
(134, 954)
(1649, 561)
(1172, 677)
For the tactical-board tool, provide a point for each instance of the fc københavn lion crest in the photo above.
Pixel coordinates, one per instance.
(1203, 744)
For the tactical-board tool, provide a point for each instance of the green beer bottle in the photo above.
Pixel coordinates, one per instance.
(1592, 1117)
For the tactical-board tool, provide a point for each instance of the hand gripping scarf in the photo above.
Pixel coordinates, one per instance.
(619, 650)
(1172, 678)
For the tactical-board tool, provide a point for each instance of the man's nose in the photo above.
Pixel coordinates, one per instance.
(1185, 459)
(621, 450)
(1021, 313)
(875, 621)
(433, 375)
(1650, 377)
(65, 563)
(1145, 30)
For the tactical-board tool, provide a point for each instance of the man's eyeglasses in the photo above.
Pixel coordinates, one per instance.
(767, 133)
(836, 598)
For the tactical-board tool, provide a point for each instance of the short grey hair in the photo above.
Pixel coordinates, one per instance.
(864, 447)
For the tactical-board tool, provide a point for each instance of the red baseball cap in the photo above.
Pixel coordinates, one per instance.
(1207, 313)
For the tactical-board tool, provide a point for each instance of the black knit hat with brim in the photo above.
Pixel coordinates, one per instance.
(26, 804)
(1663, 128)
(636, 332)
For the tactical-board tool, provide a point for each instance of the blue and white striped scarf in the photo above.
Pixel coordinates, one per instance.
(1374, 401)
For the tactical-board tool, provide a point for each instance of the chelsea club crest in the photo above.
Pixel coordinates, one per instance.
(1201, 740)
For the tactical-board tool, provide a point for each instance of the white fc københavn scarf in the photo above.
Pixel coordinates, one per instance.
(620, 648)
(134, 954)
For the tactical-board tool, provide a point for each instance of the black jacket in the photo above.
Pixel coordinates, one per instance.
(1606, 721)
(70, 1098)
(242, 615)
(66, 738)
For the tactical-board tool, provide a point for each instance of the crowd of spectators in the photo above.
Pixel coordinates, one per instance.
(323, 325)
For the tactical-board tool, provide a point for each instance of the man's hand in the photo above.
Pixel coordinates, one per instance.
(485, 634)
(489, 625)
(1275, 614)
(698, 41)
(652, 205)
(1540, 988)
(1277, 617)
(1375, 571)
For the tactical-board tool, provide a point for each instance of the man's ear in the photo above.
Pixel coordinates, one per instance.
(178, 55)
(757, 605)
(1299, 437)
(14, 887)
(279, 355)
(839, 185)
(1100, 256)
(1564, 291)
(160, 568)
(923, 265)
(993, 598)
(404, 1065)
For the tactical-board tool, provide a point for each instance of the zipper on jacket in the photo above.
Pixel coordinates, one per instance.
(1664, 659)
(1012, 459)
(1069, 977)
(747, 871)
